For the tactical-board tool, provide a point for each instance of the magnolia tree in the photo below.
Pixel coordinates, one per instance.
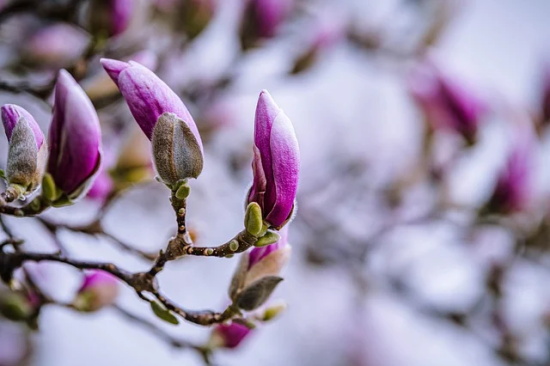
(88, 70)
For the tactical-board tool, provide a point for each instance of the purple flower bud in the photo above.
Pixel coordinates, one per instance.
(276, 163)
(99, 289)
(54, 46)
(147, 96)
(163, 118)
(111, 16)
(75, 138)
(262, 19)
(513, 187)
(230, 336)
(445, 103)
(12, 114)
(27, 151)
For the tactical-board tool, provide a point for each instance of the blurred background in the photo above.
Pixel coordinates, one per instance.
(423, 224)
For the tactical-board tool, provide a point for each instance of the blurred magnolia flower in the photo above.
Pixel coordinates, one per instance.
(327, 31)
(54, 46)
(262, 19)
(229, 335)
(258, 273)
(98, 290)
(195, 15)
(163, 117)
(27, 150)
(75, 141)
(276, 163)
(110, 17)
(445, 103)
(512, 191)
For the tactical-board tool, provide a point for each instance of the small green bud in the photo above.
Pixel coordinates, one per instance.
(233, 245)
(253, 221)
(49, 190)
(182, 191)
(269, 238)
(272, 312)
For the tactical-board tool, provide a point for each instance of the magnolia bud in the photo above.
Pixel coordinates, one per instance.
(276, 163)
(75, 140)
(99, 289)
(445, 103)
(110, 16)
(229, 336)
(177, 154)
(27, 149)
(54, 46)
(177, 146)
(262, 19)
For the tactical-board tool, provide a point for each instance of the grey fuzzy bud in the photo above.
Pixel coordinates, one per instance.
(176, 152)
(23, 166)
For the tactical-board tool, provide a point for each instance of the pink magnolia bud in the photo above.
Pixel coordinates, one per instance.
(262, 19)
(324, 35)
(110, 16)
(445, 103)
(229, 336)
(512, 191)
(99, 289)
(75, 138)
(27, 150)
(54, 46)
(163, 117)
(276, 162)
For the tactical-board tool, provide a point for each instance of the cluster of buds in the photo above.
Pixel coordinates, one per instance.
(73, 154)
(445, 103)
(178, 155)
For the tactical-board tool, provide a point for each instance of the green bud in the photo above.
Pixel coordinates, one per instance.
(253, 221)
(182, 191)
(272, 312)
(49, 190)
(269, 238)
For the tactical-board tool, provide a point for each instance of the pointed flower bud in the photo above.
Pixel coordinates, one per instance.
(229, 335)
(99, 289)
(110, 16)
(276, 163)
(262, 19)
(445, 103)
(513, 188)
(27, 148)
(75, 139)
(177, 146)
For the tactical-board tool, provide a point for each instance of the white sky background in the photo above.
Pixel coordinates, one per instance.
(349, 102)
